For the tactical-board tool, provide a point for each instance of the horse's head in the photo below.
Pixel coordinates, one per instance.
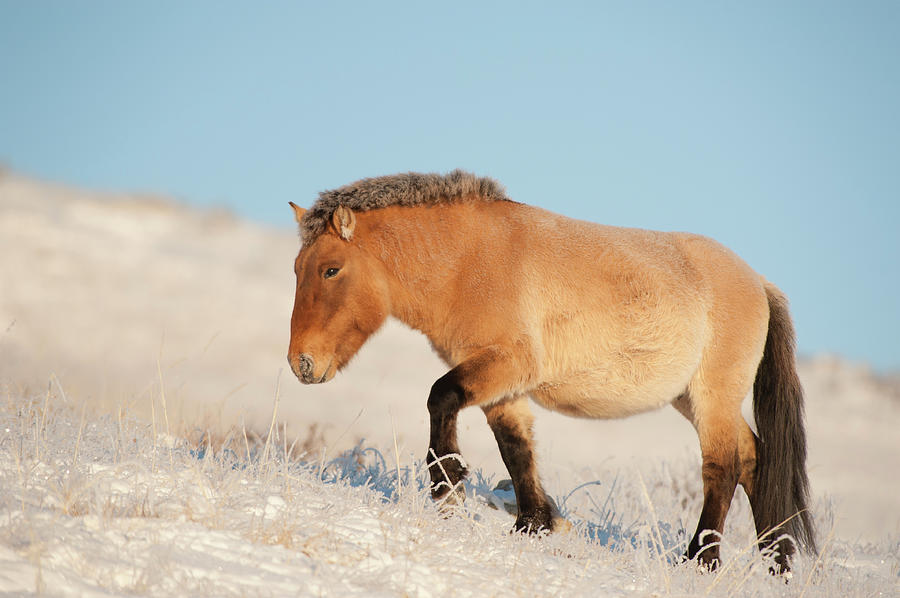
(341, 300)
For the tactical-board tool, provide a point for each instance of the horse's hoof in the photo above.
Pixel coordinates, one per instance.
(781, 568)
(446, 480)
(503, 498)
(533, 523)
(705, 560)
(448, 497)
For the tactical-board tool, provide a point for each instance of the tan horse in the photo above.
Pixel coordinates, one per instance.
(590, 320)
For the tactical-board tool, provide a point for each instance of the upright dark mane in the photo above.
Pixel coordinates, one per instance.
(407, 189)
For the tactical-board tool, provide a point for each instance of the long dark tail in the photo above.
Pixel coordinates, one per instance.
(780, 497)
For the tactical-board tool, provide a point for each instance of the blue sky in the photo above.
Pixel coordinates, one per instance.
(770, 126)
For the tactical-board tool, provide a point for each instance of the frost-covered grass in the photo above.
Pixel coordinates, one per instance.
(99, 505)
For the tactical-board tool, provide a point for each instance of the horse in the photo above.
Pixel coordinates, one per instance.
(589, 320)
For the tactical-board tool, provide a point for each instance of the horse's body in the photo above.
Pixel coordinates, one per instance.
(590, 320)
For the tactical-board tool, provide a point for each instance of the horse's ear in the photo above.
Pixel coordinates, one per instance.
(298, 211)
(344, 221)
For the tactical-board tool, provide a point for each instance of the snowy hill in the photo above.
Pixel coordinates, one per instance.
(141, 308)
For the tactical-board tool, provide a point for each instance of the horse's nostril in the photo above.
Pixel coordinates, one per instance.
(302, 366)
(306, 366)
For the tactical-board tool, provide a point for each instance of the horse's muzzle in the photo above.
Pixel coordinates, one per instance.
(303, 367)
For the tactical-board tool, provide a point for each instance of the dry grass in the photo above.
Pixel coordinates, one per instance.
(72, 477)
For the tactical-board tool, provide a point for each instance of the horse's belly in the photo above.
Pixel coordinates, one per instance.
(595, 395)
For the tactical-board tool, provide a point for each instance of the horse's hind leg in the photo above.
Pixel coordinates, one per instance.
(717, 423)
(721, 469)
(747, 446)
(745, 470)
(511, 421)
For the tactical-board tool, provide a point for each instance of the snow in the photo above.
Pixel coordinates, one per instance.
(140, 349)
(127, 514)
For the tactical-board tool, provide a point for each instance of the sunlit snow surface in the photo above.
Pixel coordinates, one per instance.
(101, 506)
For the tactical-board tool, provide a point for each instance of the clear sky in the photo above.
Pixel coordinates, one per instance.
(771, 126)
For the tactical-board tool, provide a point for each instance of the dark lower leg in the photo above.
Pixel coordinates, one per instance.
(489, 373)
(446, 470)
(719, 482)
(511, 423)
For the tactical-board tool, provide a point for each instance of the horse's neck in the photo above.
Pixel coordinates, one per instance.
(422, 255)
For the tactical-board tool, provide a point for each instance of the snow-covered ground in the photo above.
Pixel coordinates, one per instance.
(131, 328)
(112, 505)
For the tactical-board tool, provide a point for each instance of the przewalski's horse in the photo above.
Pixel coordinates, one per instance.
(590, 320)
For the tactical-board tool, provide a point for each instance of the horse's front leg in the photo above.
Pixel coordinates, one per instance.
(444, 461)
(489, 374)
(511, 421)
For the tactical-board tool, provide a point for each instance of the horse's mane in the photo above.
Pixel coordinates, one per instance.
(407, 189)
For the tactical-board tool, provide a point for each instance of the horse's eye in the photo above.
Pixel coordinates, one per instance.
(331, 272)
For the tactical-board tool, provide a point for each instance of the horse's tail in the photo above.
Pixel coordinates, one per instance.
(780, 494)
